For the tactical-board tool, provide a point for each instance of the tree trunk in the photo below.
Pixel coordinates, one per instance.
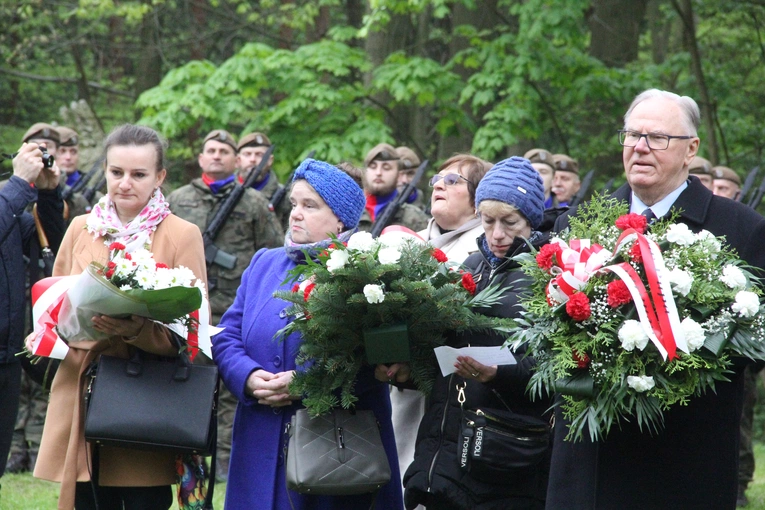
(149, 61)
(685, 10)
(615, 30)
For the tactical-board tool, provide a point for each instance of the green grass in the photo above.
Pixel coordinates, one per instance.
(23, 492)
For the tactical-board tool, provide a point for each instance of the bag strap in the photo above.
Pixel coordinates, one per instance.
(211, 486)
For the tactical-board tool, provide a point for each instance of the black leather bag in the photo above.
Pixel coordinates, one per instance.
(165, 403)
(496, 443)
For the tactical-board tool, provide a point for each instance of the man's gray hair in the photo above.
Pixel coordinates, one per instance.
(691, 114)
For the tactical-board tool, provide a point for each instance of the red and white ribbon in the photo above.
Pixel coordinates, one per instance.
(47, 296)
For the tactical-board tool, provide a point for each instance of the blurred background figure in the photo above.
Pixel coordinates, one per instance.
(726, 182)
(543, 162)
(566, 181)
(702, 169)
(407, 166)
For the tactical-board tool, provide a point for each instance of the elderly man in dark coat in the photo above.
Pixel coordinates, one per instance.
(692, 462)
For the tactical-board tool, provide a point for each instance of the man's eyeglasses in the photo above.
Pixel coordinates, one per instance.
(449, 179)
(655, 142)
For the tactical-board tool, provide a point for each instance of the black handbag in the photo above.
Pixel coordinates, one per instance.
(162, 403)
(337, 454)
(495, 443)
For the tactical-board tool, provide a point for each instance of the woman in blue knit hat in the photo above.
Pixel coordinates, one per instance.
(510, 203)
(258, 369)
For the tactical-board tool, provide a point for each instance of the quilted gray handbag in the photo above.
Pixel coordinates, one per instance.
(336, 454)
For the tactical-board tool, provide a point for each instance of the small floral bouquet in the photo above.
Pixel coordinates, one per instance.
(129, 284)
(626, 323)
(368, 286)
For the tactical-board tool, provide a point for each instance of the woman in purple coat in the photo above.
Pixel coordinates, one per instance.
(258, 369)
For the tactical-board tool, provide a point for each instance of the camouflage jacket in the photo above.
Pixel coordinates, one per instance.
(284, 208)
(249, 228)
(407, 215)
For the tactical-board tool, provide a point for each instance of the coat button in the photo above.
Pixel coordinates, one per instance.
(283, 314)
(277, 361)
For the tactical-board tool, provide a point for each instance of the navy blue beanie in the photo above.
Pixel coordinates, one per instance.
(514, 182)
(338, 189)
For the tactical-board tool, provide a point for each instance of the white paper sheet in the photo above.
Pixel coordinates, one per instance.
(447, 356)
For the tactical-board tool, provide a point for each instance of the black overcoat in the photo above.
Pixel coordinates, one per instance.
(693, 462)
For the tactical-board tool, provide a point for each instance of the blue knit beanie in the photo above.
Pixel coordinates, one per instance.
(338, 189)
(514, 182)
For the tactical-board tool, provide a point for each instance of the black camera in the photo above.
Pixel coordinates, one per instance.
(47, 159)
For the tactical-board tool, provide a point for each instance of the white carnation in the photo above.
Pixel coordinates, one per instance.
(388, 255)
(631, 335)
(374, 293)
(361, 241)
(694, 333)
(337, 259)
(711, 243)
(640, 383)
(747, 304)
(681, 281)
(679, 233)
(733, 277)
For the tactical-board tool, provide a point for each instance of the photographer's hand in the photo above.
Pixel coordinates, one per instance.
(28, 162)
(48, 178)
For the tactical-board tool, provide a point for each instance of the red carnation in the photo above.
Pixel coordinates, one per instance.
(111, 264)
(162, 265)
(116, 246)
(468, 283)
(632, 220)
(332, 246)
(618, 294)
(578, 307)
(308, 289)
(128, 256)
(545, 256)
(439, 255)
(582, 360)
(324, 253)
(635, 254)
(109, 274)
(296, 287)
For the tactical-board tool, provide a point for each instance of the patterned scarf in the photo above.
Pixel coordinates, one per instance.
(104, 222)
(297, 252)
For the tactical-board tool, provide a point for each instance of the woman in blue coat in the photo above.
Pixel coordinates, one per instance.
(258, 369)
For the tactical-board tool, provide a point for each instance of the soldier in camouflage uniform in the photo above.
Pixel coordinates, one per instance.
(249, 228)
(382, 167)
(68, 159)
(252, 147)
(407, 167)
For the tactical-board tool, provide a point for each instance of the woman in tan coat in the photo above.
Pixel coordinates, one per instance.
(135, 213)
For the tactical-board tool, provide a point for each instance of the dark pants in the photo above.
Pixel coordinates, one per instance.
(10, 387)
(113, 498)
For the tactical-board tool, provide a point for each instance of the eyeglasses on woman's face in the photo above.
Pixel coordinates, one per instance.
(449, 179)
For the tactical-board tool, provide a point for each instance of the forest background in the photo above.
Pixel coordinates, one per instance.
(494, 77)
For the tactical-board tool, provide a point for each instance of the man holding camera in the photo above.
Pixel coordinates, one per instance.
(31, 181)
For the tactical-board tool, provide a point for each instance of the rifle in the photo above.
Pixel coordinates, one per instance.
(213, 254)
(91, 191)
(277, 197)
(608, 186)
(386, 216)
(579, 195)
(83, 180)
(754, 201)
(748, 183)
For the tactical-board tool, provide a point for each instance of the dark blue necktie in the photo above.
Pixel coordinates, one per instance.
(649, 215)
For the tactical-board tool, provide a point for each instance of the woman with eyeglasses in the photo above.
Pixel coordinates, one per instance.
(510, 201)
(453, 229)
